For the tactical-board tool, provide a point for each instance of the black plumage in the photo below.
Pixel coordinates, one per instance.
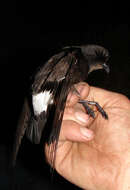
(50, 88)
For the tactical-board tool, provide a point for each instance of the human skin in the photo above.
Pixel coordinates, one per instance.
(94, 154)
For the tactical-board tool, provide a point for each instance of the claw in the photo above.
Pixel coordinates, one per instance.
(86, 104)
(104, 114)
(100, 109)
(90, 111)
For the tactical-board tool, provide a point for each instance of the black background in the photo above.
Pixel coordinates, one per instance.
(25, 45)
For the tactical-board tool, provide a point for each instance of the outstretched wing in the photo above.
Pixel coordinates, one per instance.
(21, 128)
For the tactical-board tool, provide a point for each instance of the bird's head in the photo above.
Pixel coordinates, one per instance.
(96, 56)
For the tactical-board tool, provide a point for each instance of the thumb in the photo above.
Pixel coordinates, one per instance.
(74, 132)
(83, 89)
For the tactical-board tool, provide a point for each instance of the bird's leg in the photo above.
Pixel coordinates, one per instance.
(73, 88)
(85, 103)
(87, 108)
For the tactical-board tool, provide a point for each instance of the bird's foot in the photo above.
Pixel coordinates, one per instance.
(89, 110)
(86, 104)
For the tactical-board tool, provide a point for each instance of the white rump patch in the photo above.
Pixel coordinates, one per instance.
(41, 101)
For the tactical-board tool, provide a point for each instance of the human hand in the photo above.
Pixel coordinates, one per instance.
(94, 154)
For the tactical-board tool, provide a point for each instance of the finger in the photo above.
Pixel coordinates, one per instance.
(76, 114)
(106, 98)
(82, 88)
(72, 131)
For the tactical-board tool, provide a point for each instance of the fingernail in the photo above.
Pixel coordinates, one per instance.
(79, 88)
(81, 116)
(85, 132)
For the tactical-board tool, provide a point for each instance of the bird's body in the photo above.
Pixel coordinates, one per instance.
(50, 89)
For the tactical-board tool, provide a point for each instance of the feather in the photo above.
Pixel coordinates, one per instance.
(21, 128)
